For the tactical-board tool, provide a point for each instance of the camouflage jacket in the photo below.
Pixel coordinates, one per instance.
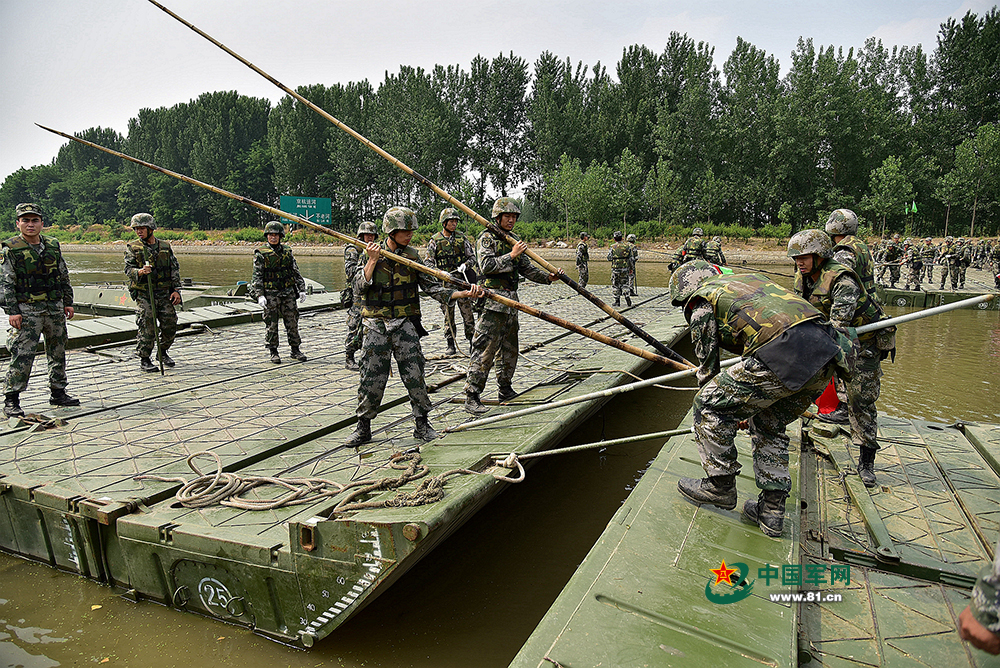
(500, 272)
(985, 600)
(448, 253)
(51, 265)
(392, 292)
(838, 294)
(275, 272)
(582, 254)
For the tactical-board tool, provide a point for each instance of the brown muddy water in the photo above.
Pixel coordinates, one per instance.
(477, 597)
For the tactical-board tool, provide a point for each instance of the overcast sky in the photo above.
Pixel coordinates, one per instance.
(77, 64)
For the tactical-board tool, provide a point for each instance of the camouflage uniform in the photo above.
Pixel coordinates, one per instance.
(633, 260)
(995, 259)
(583, 262)
(619, 255)
(35, 285)
(928, 254)
(693, 249)
(497, 326)
(352, 343)
(964, 260)
(276, 277)
(912, 263)
(166, 280)
(985, 599)
(891, 259)
(713, 252)
(950, 260)
(447, 253)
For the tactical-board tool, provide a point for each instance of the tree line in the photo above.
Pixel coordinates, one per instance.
(907, 139)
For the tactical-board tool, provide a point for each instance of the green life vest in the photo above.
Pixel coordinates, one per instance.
(37, 275)
(864, 266)
(506, 280)
(277, 267)
(620, 255)
(928, 253)
(450, 250)
(393, 291)
(162, 267)
(751, 310)
(693, 249)
(867, 310)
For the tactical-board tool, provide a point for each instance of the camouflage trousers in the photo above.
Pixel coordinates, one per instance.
(352, 343)
(863, 391)
(286, 307)
(620, 283)
(950, 270)
(749, 390)
(927, 272)
(468, 319)
(495, 338)
(893, 274)
(631, 281)
(584, 271)
(383, 340)
(913, 276)
(961, 275)
(166, 317)
(48, 320)
(883, 269)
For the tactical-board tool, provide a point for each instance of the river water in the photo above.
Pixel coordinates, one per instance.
(478, 596)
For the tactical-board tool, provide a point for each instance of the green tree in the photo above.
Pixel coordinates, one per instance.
(564, 188)
(889, 190)
(629, 177)
(976, 176)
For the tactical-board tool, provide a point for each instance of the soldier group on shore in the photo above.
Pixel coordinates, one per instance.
(915, 260)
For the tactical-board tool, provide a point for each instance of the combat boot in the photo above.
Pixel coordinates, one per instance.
(60, 398)
(12, 404)
(275, 357)
(297, 355)
(349, 362)
(362, 433)
(473, 404)
(866, 466)
(837, 416)
(719, 490)
(423, 430)
(618, 302)
(166, 359)
(768, 511)
(147, 365)
(451, 348)
(506, 393)
(628, 300)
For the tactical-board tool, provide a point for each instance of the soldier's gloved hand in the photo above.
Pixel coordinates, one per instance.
(262, 300)
(302, 296)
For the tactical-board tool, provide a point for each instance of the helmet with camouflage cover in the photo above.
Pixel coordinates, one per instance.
(687, 278)
(949, 240)
(895, 237)
(505, 205)
(617, 235)
(367, 227)
(961, 240)
(399, 218)
(698, 232)
(908, 241)
(717, 240)
(274, 227)
(143, 220)
(26, 208)
(810, 242)
(842, 221)
(630, 238)
(449, 214)
(927, 240)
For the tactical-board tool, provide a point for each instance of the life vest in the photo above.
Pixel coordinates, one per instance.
(161, 266)
(620, 255)
(864, 266)
(751, 310)
(821, 296)
(37, 275)
(393, 290)
(277, 267)
(506, 280)
(450, 251)
(927, 253)
(693, 249)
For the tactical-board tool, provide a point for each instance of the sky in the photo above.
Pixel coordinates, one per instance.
(78, 64)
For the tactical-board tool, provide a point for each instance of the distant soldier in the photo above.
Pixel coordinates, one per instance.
(928, 254)
(276, 283)
(368, 234)
(632, 262)
(950, 260)
(995, 260)
(912, 264)
(620, 257)
(838, 293)
(713, 252)
(38, 299)
(964, 250)
(144, 256)
(496, 338)
(583, 259)
(390, 315)
(892, 259)
(693, 249)
(789, 355)
(450, 250)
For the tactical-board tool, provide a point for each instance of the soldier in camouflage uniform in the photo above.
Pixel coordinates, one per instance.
(276, 283)
(713, 252)
(693, 249)
(38, 300)
(995, 260)
(979, 623)
(928, 254)
(619, 255)
(146, 256)
(964, 250)
(788, 357)
(368, 234)
(950, 260)
(450, 250)
(390, 315)
(583, 259)
(912, 263)
(496, 330)
(891, 260)
(839, 294)
(632, 262)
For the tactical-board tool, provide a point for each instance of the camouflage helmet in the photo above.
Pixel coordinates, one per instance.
(686, 279)
(927, 240)
(907, 241)
(367, 227)
(505, 205)
(617, 235)
(274, 227)
(949, 240)
(449, 214)
(961, 240)
(630, 238)
(584, 235)
(717, 240)
(842, 221)
(26, 208)
(143, 220)
(698, 232)
(895, 237)
(399, 218)
(810, 242)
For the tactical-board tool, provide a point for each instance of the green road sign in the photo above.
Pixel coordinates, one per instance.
(314, 209)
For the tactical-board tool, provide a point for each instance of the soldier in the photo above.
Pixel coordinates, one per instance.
(583, 259)
(632, 262)
(879, 256)
(838, 293)
(713, 252)
(144, 256)
(620, 256)
(964, 250)
(496, 330)
(38, 300)
(368, 234)
(450, 250)
(912, 263)
(892, 256)
(276, 282)
(928, 253)
(789, 355)
(979, 623)
(995, 259)
(693, 249)
(950, 260)
(390, 314)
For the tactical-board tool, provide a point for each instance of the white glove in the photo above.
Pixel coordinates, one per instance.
(262, 300)
(302, 296)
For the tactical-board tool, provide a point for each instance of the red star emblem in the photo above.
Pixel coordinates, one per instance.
(723, 574)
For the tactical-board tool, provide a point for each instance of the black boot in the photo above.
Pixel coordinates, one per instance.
(297, 355)
(767, 511)
(275, 357)
(836, 416)
(473, 404)
(717, 490)
(166, 359)
(12, 404)
(60, 398)
(423, 430)
(618, 302)
(866, 466)
(506, 393)
(628, 300)
(147, 365)
(362, 433)
(349, 363)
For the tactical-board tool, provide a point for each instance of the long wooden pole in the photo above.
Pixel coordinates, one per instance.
(492, 227)
(436, 273)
